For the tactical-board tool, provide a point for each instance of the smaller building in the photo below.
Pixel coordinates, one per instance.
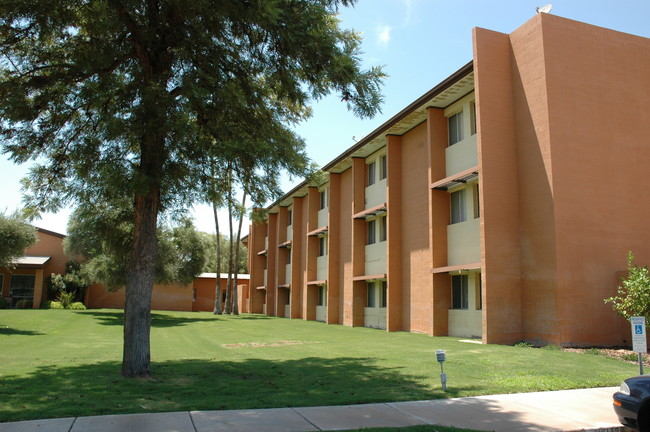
(24, 285)
(197, 296)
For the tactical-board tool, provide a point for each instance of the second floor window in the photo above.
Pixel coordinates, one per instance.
(455, 128)
(372, 237)
(458, 212)
(372, 176)
(322, 246)
(323, 199)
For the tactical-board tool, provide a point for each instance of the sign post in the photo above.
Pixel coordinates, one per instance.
(639, 344)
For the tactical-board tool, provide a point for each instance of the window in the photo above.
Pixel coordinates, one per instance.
(384, 294)
(322, 296)
(288, 255)
(382, 228)
(323, 199)
(371, 232)
(479, 293)
(372, 295)
(371, 173)
(383, 167)
(472, 118)
(477, 203)
(455, 128)
(458, 213)
(459, 298)
(288, 299)
(289, 217)
(322, 246)
(22, 286)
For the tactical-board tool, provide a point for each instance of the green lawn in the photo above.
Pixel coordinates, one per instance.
(57, 363)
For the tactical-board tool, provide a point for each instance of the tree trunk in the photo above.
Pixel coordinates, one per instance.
(136, 357)
(228, 307)
(235, 307)
(217, 290)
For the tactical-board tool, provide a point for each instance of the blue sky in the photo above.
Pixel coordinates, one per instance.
(419, 43)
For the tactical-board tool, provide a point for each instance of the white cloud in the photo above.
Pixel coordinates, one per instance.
(383, 34)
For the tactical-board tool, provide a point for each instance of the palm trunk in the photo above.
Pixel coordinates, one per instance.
(235, 308)
(217, 290)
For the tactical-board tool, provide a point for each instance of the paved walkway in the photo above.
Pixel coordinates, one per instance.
(570, 410)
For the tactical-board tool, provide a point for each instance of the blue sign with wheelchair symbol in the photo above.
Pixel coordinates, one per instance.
(638, 329)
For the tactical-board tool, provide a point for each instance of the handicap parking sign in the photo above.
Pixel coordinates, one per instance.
(638, 335)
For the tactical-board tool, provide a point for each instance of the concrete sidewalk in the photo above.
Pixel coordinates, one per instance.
(570, 410)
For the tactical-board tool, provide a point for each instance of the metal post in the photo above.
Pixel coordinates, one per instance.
(640, 363)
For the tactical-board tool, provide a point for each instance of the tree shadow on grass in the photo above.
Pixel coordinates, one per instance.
(98, 389)
(158, 319)
(6, 330)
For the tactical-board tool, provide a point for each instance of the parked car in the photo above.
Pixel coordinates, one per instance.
(632, 403)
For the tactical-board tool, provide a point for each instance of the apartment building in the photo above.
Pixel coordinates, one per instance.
(499, 205)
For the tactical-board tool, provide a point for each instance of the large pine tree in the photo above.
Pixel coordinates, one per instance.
(116, 98)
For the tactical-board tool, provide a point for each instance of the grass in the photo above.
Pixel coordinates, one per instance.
(58, 363)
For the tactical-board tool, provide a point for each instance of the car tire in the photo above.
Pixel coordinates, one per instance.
(643, 418)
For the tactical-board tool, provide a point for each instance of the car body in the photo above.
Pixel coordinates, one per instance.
(632, 403)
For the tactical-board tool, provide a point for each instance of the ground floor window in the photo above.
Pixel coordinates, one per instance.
(288, 299)
(377, 294)
(459, 292)
(22, 286)
(322, 296)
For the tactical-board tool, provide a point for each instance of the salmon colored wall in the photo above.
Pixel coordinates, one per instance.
(297, 257)
(537, 211)
(335, 246)
(345, 248)
(165, 297)
(398, 199)
(599, 78)
(256, 239)
(498, 188)
(415, 259)
(439, 210)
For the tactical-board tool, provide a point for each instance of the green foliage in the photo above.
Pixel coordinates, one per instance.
(633, 298)
(144, 103)
(593, 351)
(24, 304)
(103, 235)
(209, 242)
(77, 306)
(552, 347)
(66, 298)
(72, 284)
(524, 344)
(15, 236)
(4, 304)
(52, 304)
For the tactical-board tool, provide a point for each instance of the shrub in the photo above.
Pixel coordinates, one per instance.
(523, 344)
(77, 306)
(552, 347)
(66, 298)
(593, 351)
(4, 304)
(24, 304)
(50, 304)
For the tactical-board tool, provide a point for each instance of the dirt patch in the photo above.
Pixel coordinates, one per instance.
(623, 354)
(272, 344)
